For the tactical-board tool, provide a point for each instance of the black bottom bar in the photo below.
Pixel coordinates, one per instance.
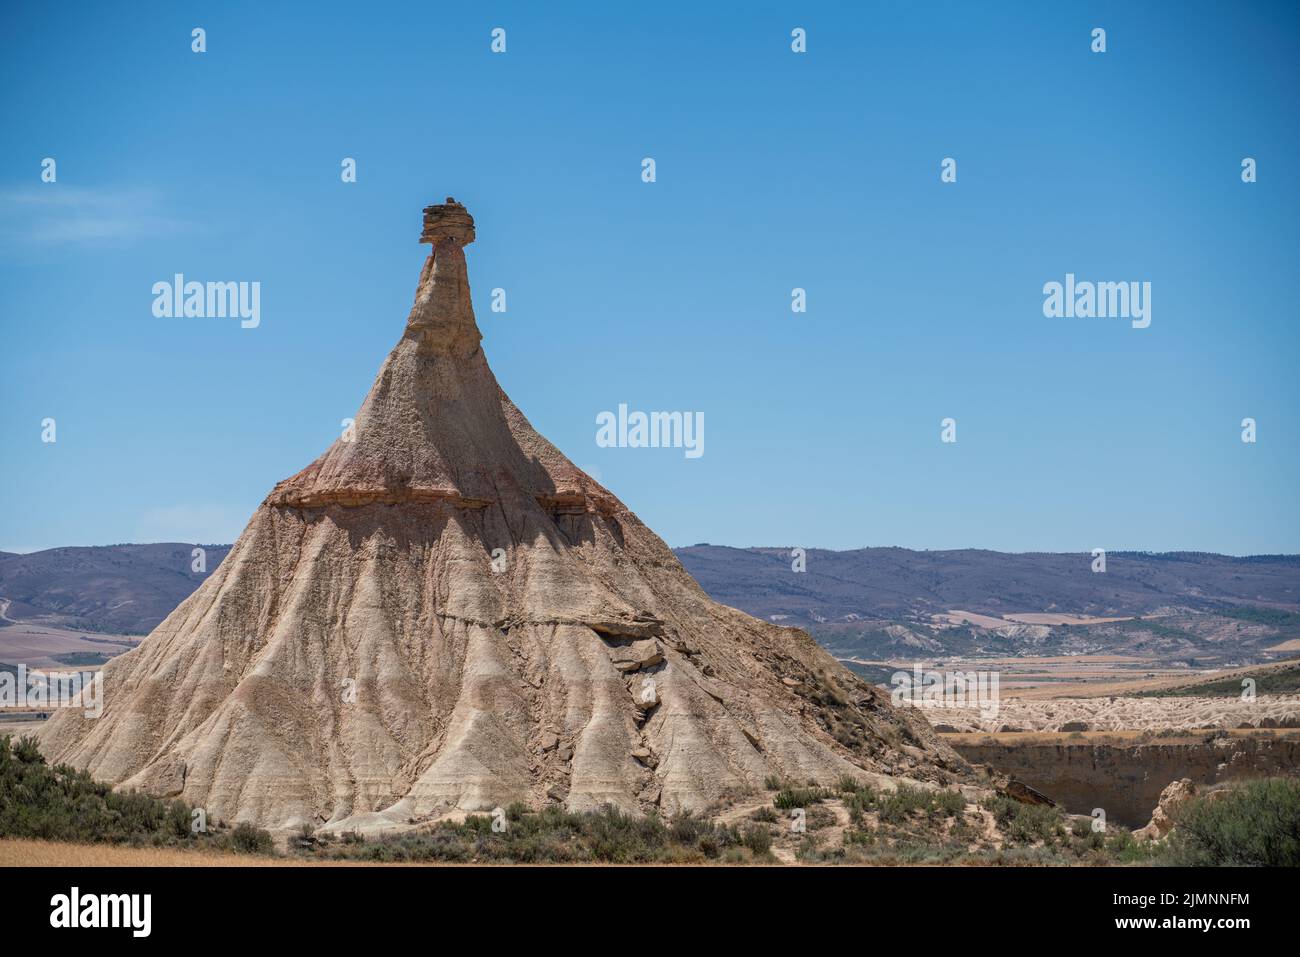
(366, 905)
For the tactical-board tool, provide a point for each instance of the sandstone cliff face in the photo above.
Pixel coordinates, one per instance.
(444, 612)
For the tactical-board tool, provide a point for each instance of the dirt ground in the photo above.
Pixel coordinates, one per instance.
(16, 852)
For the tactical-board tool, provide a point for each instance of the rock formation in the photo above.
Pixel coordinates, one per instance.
(443, 612)
(1164, 815)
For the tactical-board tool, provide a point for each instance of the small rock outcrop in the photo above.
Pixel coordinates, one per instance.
(1022, 792)
(1163, 816)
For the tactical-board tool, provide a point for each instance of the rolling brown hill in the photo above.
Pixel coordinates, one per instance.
(1186, 607)
(119, 589)
(895, 583)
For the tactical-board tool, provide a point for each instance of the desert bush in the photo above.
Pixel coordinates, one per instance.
(862, 799)
(477, 824)
(1026, 823)
(793, 797)
(758, 839)
(1121, 847)
(817, 818)
(896, 805)
(61, 803)
(858, 835)
(848, 784)
(554, 835)
(1256, 824)
(810, 851)
(949, 803)
(26, 751)
(247, 839)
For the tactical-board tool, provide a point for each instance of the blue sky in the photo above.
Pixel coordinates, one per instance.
(774, 170)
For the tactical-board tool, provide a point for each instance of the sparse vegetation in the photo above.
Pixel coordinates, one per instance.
(895, 806)
(82, 659)
(759, 841)
(792, 797)
(858, 799)
(948, 803)
(554, 835)
(60, 803)
(1256, 824)
(1272, 681)
(1274, 617)
(247, 839)
(1026, 823)
(817, 818)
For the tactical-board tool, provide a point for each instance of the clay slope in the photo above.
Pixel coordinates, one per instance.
(443, 612)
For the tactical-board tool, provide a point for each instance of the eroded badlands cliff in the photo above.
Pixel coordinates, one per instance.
(443, 612)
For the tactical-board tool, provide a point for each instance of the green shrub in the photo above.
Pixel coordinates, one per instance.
(554, 835)
(897, 805)
(818, 818)
(1122, 847)
(949, 803)
(26, 750)
(1256, 824)
(848, 784)
(61, 803)
(179, 820)
(758, 839)
(1026, 823)
(792, 797)
(863, 799)
(859, 835)
(247, 839)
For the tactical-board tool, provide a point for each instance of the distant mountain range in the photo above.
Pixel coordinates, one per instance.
(895, 583)
(119, 589)
(895, 602)
(869, 603)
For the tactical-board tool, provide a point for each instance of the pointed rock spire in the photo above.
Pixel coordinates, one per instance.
(444, 612)
(443, 316)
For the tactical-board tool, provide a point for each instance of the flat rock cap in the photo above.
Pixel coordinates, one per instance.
(447, 221)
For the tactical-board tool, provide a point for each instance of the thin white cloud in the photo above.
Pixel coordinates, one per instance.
(54, 213)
